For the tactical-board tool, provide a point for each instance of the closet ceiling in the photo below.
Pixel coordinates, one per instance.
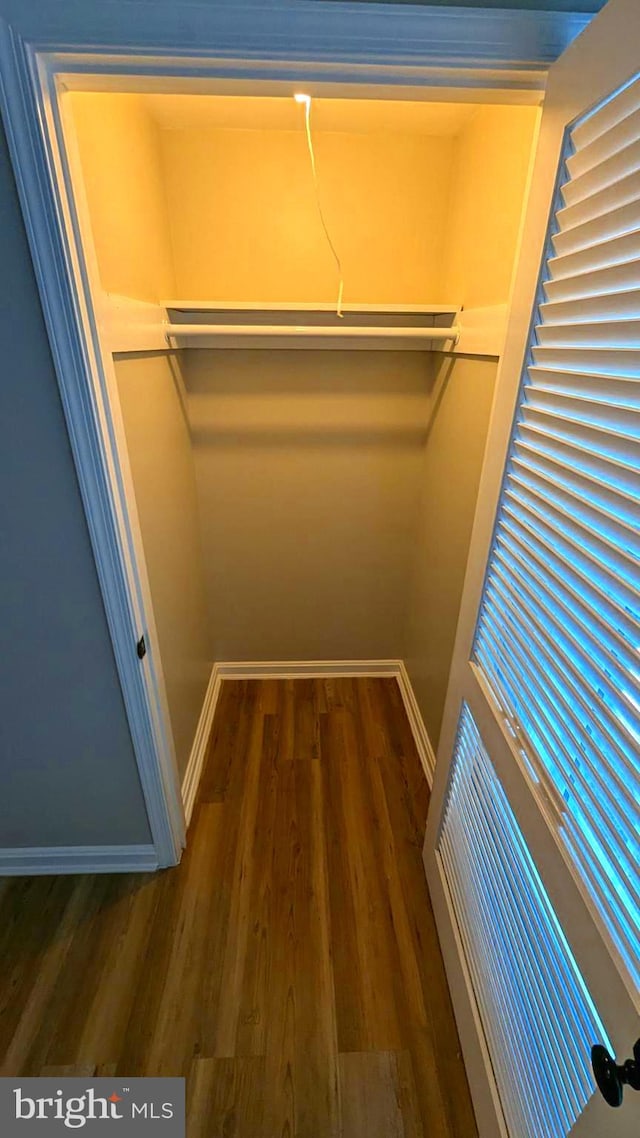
(242, 112)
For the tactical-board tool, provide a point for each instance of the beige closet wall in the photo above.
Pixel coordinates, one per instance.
(490, 171)
(245, 224)
(308, 466)
(120, 159)
(449, 476)
(153, 404)
(119, 149)
(490, 177)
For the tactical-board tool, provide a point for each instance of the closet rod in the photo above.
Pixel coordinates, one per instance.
(334, 331)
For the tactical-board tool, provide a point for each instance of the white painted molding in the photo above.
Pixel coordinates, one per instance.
(416, 722)
(482, 330)
(296, 669)
(195, 765)
(44, 860)
(132, 325)
(411, 45)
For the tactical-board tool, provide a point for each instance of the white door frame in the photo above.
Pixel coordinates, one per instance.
(407, 53)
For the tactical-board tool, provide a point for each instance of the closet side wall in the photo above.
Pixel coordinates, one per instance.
(491, 165)
(307, 464)
(120, 161)
(490, 171)
(245, 223)
(119, 146)
(153, 405)
(449, 478)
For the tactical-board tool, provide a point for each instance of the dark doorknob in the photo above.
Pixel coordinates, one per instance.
(612, 1078)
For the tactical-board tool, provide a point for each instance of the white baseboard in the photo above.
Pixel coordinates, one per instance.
(43, 860)
(297, 669)
(193, 773)
(416, 722)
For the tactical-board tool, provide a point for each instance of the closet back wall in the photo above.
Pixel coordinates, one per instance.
(307, 465)
(245, 223)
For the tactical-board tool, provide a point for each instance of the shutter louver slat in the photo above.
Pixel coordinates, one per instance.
(597, 334)
(558, 635)
(585, 309)
(619, 362)
(599, 255)
(613, 278)
(623, 190)
(609, 172)
(608, 115)
(610, 142)
(592, 415)
(603, 389)
(614, 223)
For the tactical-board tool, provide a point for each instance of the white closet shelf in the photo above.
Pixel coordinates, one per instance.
(136, 326)
(308, 325)
(304, 306)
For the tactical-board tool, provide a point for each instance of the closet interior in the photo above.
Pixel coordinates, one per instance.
(305, 478)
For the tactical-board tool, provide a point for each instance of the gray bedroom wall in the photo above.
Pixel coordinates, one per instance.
(67, 769)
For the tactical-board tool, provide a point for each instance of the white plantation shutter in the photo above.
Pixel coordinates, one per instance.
(558, 637)
(538, 1018)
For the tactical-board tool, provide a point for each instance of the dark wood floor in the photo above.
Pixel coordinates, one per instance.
(289, 967)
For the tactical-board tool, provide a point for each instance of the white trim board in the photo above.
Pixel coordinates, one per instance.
(417, 724)
(422, 46)
(299, 669)
(45, 860)
(296, 669)
(193, 773)
(131, 325)
(482, 331)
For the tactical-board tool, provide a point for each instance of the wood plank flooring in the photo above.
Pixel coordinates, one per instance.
(289, 967)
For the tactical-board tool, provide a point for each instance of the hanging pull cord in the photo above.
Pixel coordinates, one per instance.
(307, 118)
